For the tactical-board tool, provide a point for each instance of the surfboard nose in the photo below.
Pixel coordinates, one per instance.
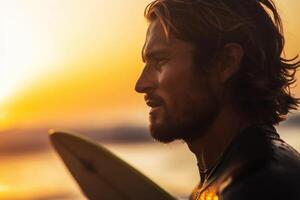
(60, 136)
(57, 133)
(65, 140)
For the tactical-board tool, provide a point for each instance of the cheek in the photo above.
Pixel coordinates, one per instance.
(176, 74)
(177, 88)
(184, 93)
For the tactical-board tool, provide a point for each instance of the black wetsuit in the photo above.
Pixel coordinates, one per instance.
(257, 165)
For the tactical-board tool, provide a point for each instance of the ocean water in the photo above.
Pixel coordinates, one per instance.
(42, 175)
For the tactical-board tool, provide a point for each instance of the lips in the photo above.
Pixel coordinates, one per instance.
(153, 101)
(153, 104)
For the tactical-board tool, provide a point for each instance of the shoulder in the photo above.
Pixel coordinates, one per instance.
(269, 184)
(276, 177)
(273, 172)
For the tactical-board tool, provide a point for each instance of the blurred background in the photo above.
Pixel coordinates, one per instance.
(72, 64)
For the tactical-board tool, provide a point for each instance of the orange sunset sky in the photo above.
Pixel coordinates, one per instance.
(75, 62)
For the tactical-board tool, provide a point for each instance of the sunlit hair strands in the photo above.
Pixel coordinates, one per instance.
(261, 88)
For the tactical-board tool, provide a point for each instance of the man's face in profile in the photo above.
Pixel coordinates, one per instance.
(182, 100)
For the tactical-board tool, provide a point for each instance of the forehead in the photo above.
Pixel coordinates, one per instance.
(156, 40)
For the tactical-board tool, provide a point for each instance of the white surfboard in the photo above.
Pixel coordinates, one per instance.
(100, 174)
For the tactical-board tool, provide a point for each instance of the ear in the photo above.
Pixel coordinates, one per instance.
(232, 55)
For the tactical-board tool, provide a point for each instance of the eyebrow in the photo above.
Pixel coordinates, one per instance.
(153, 53)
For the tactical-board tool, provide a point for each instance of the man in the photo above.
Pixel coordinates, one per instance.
(214, 77)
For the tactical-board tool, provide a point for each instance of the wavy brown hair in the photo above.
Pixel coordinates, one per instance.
(261, 87)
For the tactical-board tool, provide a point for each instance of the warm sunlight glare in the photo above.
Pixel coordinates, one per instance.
(24, 48)
(3, 188)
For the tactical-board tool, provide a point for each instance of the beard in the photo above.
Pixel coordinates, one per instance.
(188, 125)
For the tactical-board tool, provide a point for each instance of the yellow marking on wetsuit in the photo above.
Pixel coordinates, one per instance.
(208, 195)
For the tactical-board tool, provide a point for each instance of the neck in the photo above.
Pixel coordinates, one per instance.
(210, 147)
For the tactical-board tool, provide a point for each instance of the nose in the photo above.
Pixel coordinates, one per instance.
(146, 81)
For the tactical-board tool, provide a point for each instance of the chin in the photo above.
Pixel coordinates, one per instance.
(169, 131)
(160, 129)
(161, 134)
(191, 125)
